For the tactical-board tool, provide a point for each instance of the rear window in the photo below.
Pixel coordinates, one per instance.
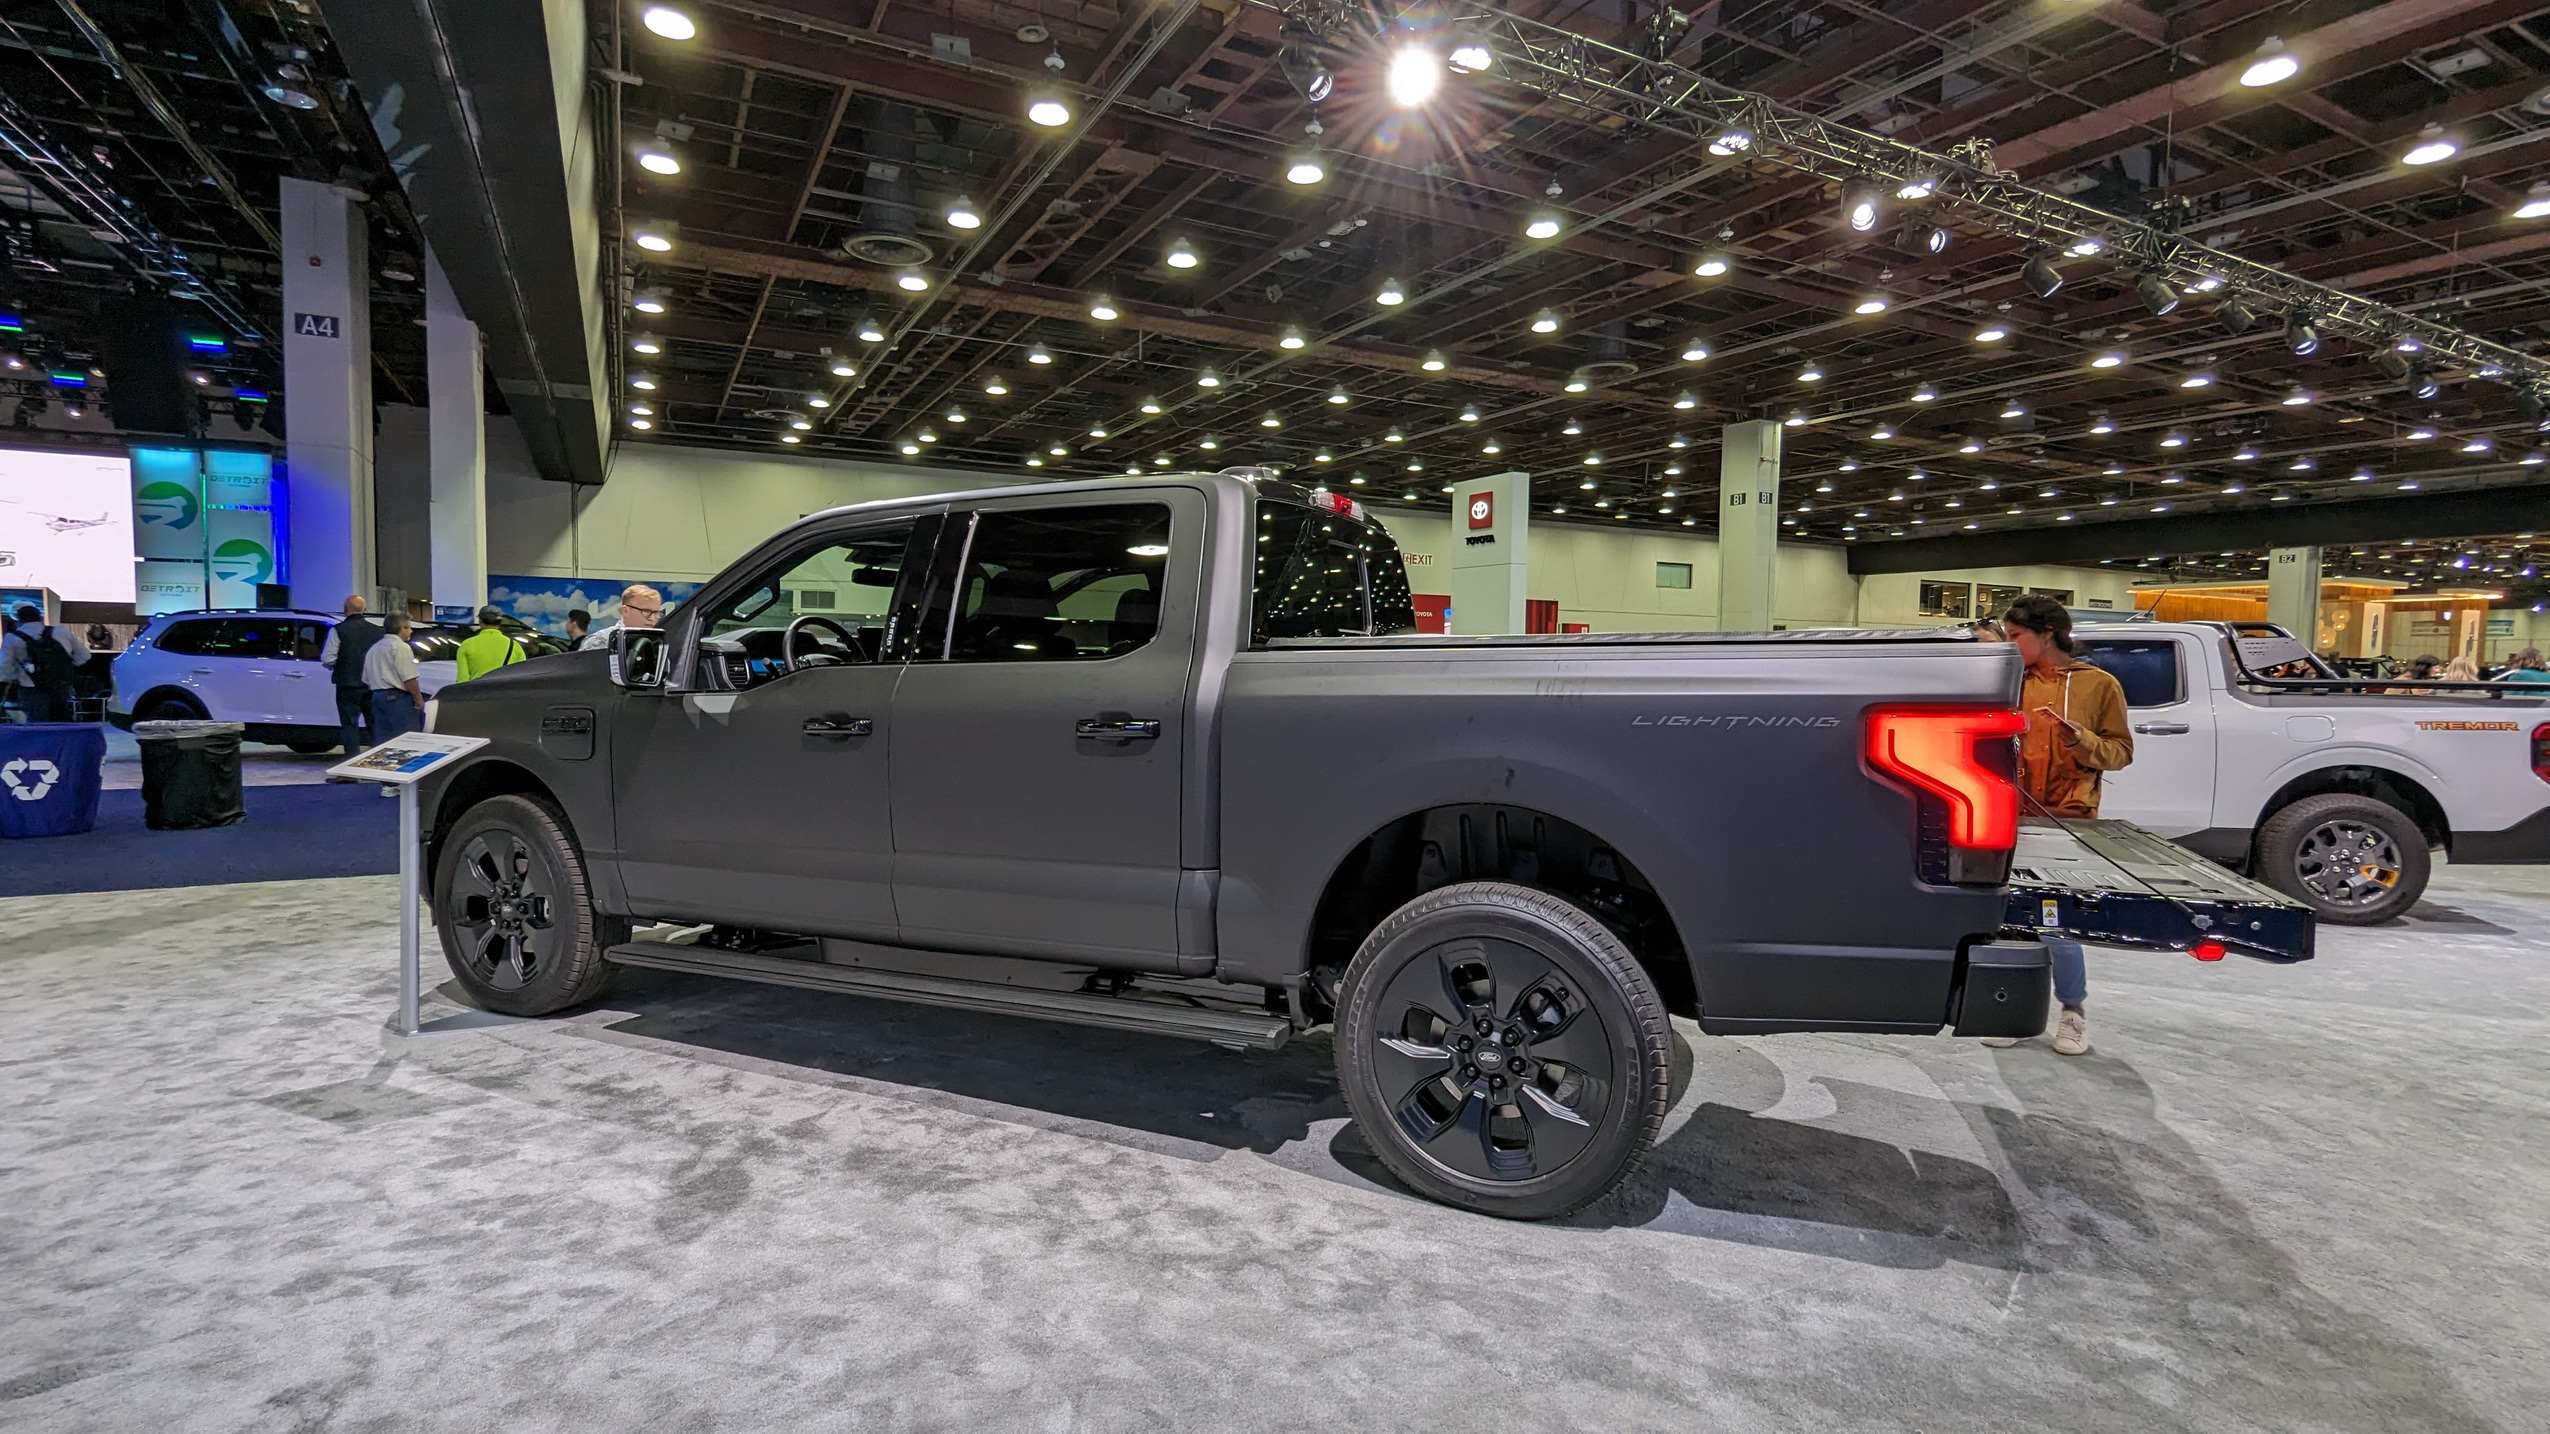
(1326, 575)
(2147, 668)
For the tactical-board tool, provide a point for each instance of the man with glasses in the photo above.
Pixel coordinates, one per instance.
(640, 606)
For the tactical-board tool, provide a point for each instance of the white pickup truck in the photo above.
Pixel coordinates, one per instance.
(2334, 791)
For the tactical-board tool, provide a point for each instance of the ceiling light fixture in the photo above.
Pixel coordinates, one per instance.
(1391, 294)
(2041, 277)
(1731, 142)
(2272, 64)
(995, 387)
(1048, 107)
(1416, 72)
(1543, 224)
(2109, 359)
(658, 161)
(1992, 333)
(2433, 146)
(2536, 201)
(1545, 322)
(963, 215)
(1434, 361)
(1036, 354)
(1103, 309)
(2156, 296)
(911, 281)
(669, 22)
(1873, 304)
(1182, 254)
(1863, 204)
(1292, 338)
(1686, 400)
(1339, 396)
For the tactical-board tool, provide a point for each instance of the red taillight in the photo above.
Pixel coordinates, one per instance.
(2208, 950)
(1933, 748)
(2541, 751)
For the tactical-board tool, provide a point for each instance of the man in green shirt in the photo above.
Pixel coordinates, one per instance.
(486, 649)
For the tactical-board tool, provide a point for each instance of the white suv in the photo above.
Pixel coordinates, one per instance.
(260, 667)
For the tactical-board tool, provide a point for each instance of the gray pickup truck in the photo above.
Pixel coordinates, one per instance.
(1170, 755)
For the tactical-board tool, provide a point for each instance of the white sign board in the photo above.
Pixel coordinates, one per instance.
(405, 760)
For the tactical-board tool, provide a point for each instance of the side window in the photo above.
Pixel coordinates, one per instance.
(308, 640)
(250, 637)
(847, 580)
(1062, 584)
(2147, 668)
(1326, 575)
(184, 639)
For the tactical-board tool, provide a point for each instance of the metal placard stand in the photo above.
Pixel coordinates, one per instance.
(402, 762)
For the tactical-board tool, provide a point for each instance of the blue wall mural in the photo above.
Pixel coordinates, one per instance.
(545, 602)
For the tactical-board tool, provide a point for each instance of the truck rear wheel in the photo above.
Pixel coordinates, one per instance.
(2354, 860)
(515, 912)
(1503, 1051)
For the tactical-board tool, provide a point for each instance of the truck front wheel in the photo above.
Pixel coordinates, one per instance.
(515, 912)
(2354, 860)
(1503, 1051)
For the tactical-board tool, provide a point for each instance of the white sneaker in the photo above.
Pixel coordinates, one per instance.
(2072, 1034)
(2000, 1043)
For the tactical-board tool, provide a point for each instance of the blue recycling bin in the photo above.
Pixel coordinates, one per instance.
(49, 774)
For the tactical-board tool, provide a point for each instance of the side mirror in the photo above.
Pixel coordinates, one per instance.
(637, 657)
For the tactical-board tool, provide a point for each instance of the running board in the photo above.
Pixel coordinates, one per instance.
(1234, 1029)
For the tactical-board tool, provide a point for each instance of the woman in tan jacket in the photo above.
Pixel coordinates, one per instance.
(2077, 733)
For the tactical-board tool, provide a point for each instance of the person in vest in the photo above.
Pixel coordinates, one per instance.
(343, 655)
(52, 659)
(2077, 733)
(486, 649)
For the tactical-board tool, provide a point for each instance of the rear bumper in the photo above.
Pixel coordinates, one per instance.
(2527, 842)
(2004, 991)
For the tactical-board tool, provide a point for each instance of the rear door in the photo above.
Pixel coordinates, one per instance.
(2169, 788)
(238, 668)
(1040, 735)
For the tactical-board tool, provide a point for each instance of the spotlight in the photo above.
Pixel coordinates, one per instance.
(2273, 64)
(1863, 202)
(1932, 238)
(2433, 146)
(1921, 184)
(2157, 296)
(1391, 294)
(1182, 255)
(1416, 72)
(1695, 349)
(1710, 265)
(2393, 367)
(671, 23)
(1731, 142)
(1103, 309)
(2530, 403)
(2299, 336)
(1048, 107)
(1470, 55)
(1545, 322)
(1544, 224)
(2425, 386)
(2041, 277)
(2235, 316)
(1298, 54)
(2086, 246)
(963, 215)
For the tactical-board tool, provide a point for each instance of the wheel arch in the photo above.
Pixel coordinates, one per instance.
(167, 690)
(2407, 794)
(475, 783)
(1448, 843)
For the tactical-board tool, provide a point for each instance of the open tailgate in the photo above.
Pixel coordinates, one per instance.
(2114, 884)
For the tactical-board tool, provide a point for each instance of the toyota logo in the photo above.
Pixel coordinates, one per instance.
(29, 778)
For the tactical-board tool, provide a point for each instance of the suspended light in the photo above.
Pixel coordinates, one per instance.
(2536, 201)
(2426, 386)
(1338, 395)
(1710, 265)
(1470, 55)
(1881, 432)
(1096, 430)
(2272, 64)
(2041, 277)
(1925, 394)
(2086, 246)
(1921, 185)
(1469, 413)
(1936, 238)
(2205, 285)
(1991, 333)
(1391, 294)
(1048, 107)
(641, 423)
(843, 368)
(2197, 380)
(1182, 254)
(653, 241)
(1434, 361)
(909, 448)
(1416, 72)
(2109, 359)
(1863, 203)
(2433, 146)
(2012, 408)
(2477, 445)
(801, 425)
(1545, 322)
(1731, 142)
(1813, 372)
(957, 415)
(641, 410)
(2299, 335)
(658, 161)
(1971, 445)
(1873, 304)
(1036, 354)
(1056, 449)
(1571, 430)
(1576, 382)
(911, 281)
(2174, 439)
(1323, 456)
(642, 383)
(870, 331)
(1304, 166)
(1491, 448)
(2393, 367)
(669, 22)
(1103, 309)
(1678, 441)
(1543, 224)
(1796, 418)
(648, 302)
(963, 215)
(1695, 349)
(1208, 379)
(1271, 420)
(1292, 338)
(646, 344)
(1686, 400)
(1161, 460)
(995, 386)
(2247, 454)
(1150, 405)
(1593, 460)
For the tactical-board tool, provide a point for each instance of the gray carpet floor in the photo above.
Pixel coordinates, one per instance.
(2313, 1198)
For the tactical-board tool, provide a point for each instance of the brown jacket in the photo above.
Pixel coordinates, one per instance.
(2058, 766)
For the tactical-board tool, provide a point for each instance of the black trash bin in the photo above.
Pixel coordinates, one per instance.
(190, 774)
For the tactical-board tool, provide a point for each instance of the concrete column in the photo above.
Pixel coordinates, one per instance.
(2293, 593)
(327, 391)
(457, 447)
(1491, 553)
(1748, 525)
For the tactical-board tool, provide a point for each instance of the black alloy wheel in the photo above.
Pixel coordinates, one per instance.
(1503, 1051)
(516, 916)
(2356, 861)
(170, 709)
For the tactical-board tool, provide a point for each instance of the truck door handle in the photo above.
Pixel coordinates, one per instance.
(2160, 729)
(840, 726)
(1117, 729)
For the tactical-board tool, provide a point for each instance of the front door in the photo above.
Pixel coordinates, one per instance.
(759, 797)
(2168, 789)
(1037, 762)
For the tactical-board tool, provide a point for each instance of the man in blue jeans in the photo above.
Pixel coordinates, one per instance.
(389, 670)
(349, 642)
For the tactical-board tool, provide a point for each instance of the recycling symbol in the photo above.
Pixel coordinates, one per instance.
(29, 778)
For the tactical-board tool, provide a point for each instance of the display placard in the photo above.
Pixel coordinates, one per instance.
(403, 760)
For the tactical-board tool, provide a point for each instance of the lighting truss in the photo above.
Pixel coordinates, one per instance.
(1659, 95)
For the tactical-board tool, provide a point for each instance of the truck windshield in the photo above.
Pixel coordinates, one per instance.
(1326, 575)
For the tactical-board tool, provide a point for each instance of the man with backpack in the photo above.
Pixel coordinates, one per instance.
(54, 655)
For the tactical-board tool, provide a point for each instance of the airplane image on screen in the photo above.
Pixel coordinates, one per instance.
(61, 523)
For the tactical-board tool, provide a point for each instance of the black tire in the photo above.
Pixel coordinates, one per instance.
(1583, 1093)
(2355, 861)
(169, 707)
(311, 746)
(515, 912)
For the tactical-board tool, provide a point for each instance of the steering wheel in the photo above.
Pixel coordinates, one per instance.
(788, 644)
